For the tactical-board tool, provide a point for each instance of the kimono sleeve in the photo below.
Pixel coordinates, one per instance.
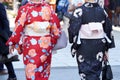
(19, 25)
(108, 30)
(55, 29)
(75, 24)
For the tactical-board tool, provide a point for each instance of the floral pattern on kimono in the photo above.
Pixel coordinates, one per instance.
(36, 50)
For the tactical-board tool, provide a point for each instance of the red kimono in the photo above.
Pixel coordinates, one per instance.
(36, 32)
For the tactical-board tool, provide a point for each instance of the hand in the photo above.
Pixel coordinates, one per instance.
(11, 48)
(18, 48)
(106, 57)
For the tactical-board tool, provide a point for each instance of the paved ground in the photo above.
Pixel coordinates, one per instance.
(63, 73)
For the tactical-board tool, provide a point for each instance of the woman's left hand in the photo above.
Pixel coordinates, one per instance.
(11, 48)
(106, 57)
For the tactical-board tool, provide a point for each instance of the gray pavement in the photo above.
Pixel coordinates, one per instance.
(62, 73)
(64, 67)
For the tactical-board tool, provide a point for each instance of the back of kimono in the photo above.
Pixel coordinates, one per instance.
(89, 32)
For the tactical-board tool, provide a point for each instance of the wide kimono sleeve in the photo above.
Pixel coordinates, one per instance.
(75, 24)
(107, 26)
(19, 26)
(55, 29)
(73, 30)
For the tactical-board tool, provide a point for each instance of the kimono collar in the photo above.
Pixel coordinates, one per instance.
(36, 4)
(88, 4)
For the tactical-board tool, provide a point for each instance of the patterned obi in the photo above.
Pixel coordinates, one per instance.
(37, 29)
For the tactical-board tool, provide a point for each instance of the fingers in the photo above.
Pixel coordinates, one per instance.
(11, 49)
(106, 57)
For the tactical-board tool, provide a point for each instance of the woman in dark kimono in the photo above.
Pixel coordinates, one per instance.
(90, 34)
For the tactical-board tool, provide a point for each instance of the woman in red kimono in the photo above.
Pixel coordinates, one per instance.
(36, 32)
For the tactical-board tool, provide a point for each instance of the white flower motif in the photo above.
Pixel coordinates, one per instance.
(103, 40)
(82, 76)
(34, 13)
(80, 58)
(73, 51)
(10, 43)
(99, 56)
(33, 41)
(40, 69)
(78, 12)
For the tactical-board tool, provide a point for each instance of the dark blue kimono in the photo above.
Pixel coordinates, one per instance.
(89, 52)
